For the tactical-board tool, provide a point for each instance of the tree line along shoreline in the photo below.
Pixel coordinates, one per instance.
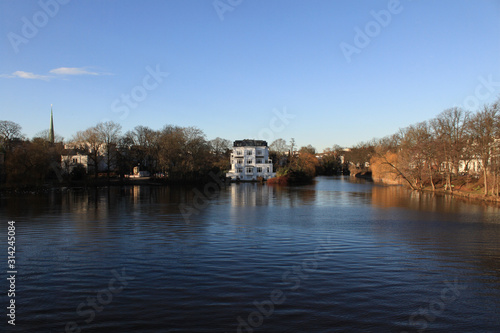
(171, 155)
(457, 152)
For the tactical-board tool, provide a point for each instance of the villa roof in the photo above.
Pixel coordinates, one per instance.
(249, 143)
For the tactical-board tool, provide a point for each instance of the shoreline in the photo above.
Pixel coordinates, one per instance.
(97, 183)
(465, 195)
(148, 181)
(457, 193)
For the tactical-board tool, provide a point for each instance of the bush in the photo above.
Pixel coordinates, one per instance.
(78, 172)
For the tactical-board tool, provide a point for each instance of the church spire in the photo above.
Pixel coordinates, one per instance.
(51, 130)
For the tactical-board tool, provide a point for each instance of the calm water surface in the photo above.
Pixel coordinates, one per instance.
(335, 256)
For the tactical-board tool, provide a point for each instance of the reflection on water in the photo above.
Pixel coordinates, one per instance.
(253, 194)
(395, 196)
(390, 252)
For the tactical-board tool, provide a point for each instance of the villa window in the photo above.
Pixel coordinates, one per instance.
(239, 153)
(259, 169)
(239, 170)
(249, 152)
(268, 169)
(259, 161)
(239, 161)
(250, 170)
(249, 161)
(259, 153)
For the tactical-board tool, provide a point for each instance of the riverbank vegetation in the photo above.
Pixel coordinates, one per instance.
(102, 155)
(455, 152)
(173, 154)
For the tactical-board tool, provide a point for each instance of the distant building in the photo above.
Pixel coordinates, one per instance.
(75, 154)
(73, 158)
(138, 173)
(250, 161)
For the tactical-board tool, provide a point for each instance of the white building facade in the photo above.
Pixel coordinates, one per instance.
(71, 159)
(78, 154)
(250, 161)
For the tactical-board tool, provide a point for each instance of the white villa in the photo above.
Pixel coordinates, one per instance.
(77, 154)
(250, 161)
(72, 158)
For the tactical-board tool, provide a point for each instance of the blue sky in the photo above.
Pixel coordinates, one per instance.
(322, 72)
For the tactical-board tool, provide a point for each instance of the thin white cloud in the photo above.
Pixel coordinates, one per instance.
(26, 75)
(61, 71)
(72, 71)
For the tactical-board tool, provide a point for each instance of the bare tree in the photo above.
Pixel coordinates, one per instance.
(196, 148)
(90, 141)
(309, 148)
(428, 150)
(279, 146)
(108, 133)
(450, 128)
(9, 131)
(336, 149)
(148, 142)
(45, 135)
(385, 160)
(221, 153)
(171, 150)
(292, 146)
(416, 154)
(278, 150)
(220, 147)
(483, 129)
(359, 156)
(184, 152)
